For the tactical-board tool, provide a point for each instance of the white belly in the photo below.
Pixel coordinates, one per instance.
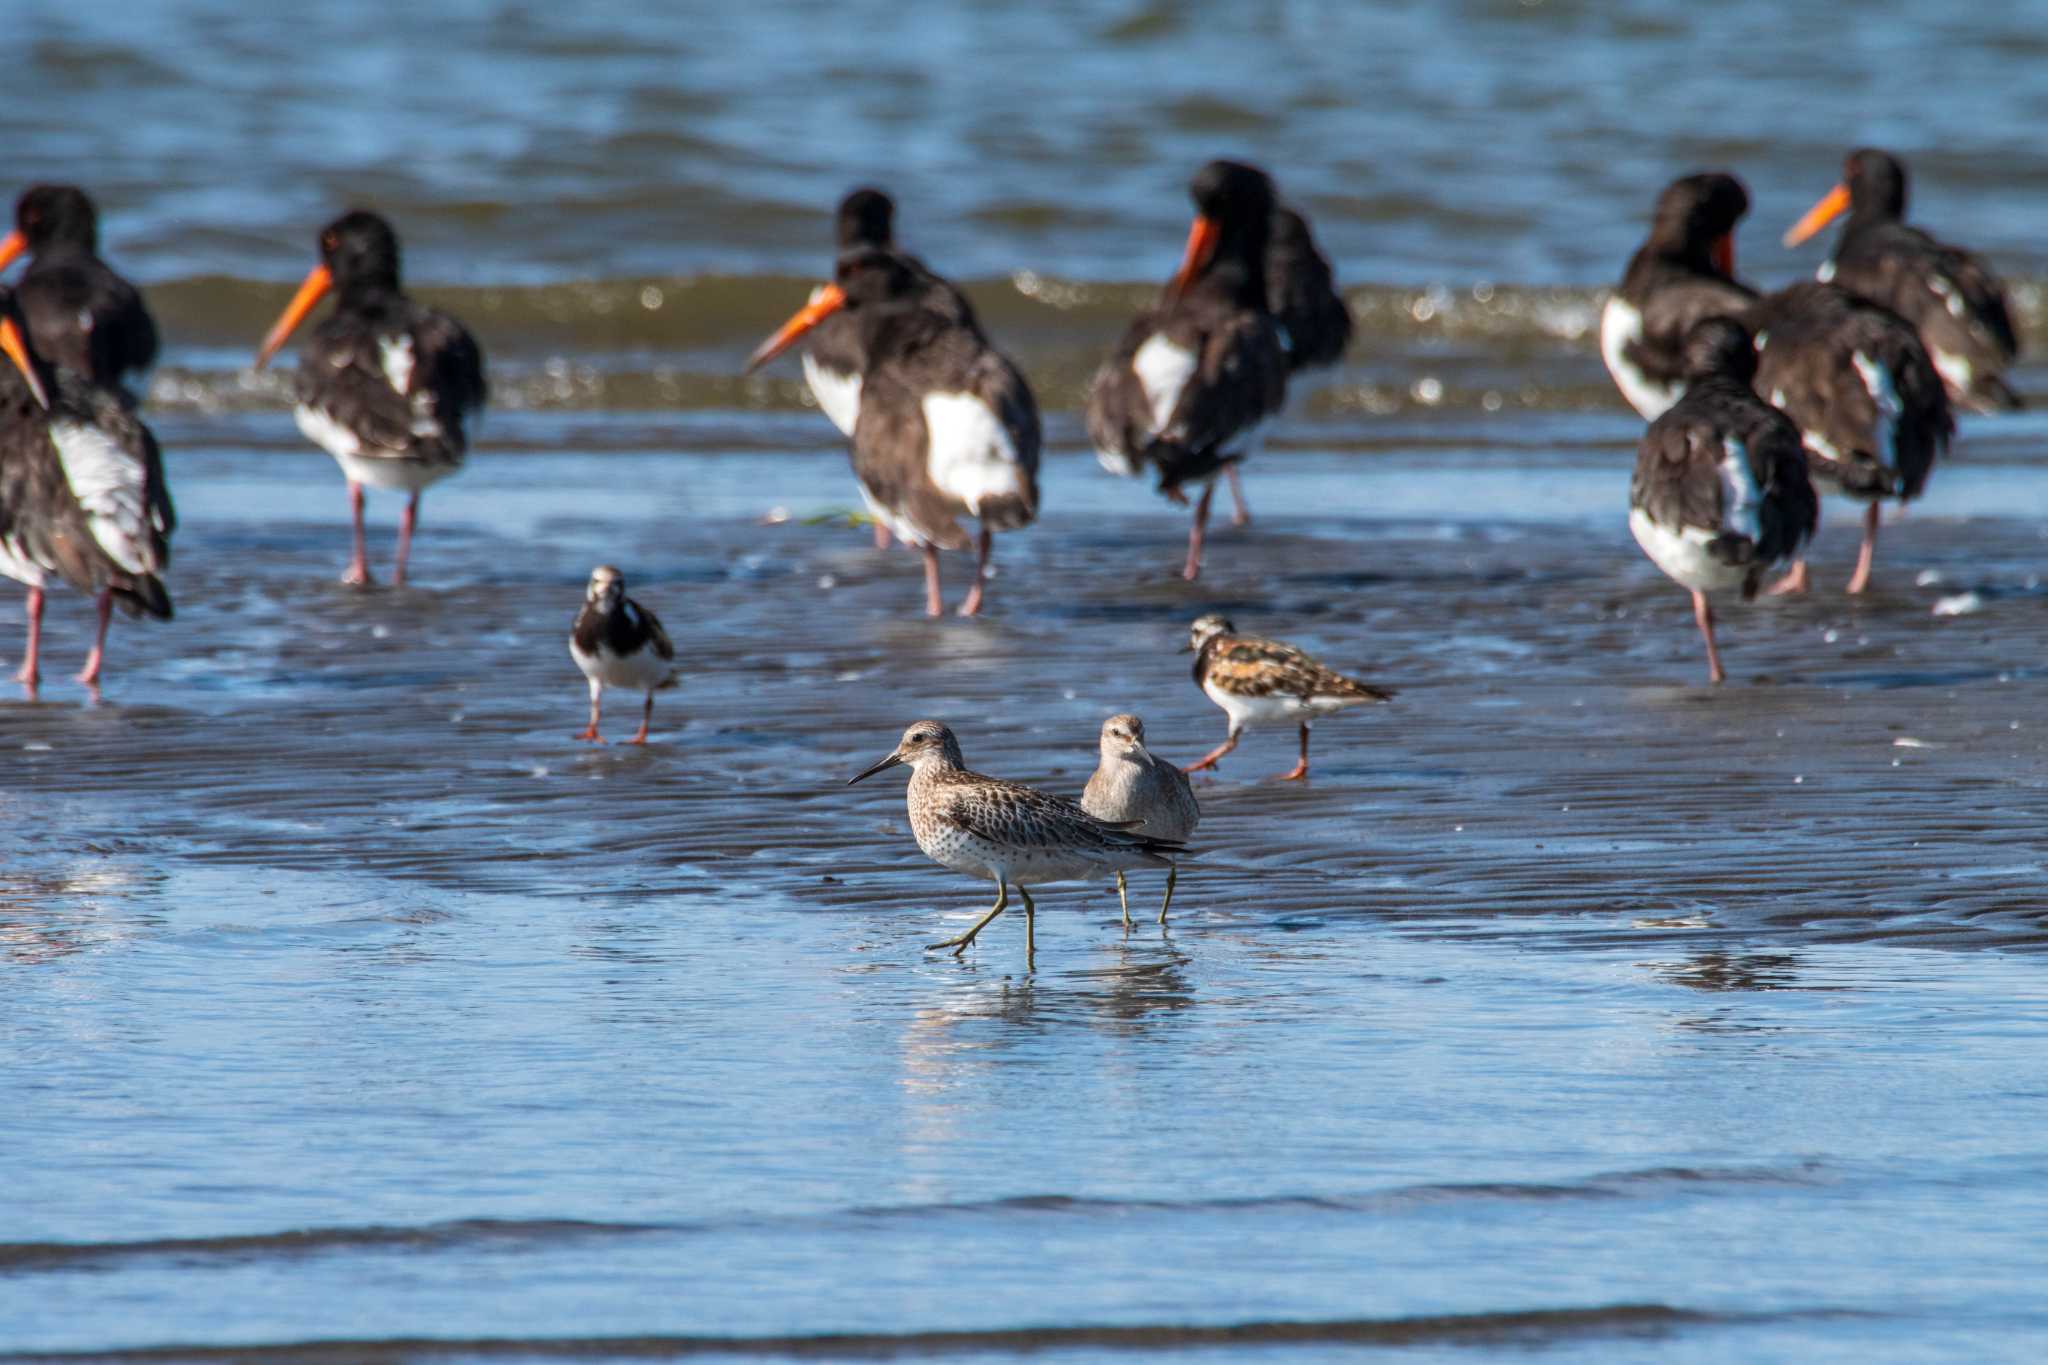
(374, 469)
(838, 394)
(644, 671)
(1682, 555)
(1621, 323)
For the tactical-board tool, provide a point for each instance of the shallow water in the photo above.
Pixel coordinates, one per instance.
(1569, 1003)
(350, 1011)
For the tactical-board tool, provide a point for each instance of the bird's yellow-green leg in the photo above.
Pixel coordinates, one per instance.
(959, 945)
(1124, 900)
(1030, 927)
(1172, 876)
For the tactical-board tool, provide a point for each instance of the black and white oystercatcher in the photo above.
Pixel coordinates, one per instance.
(82, 494)
(619, 643)
(81, 315)
(1259, 681)
(1196, 377)
(1720, 491)
(1683, 272)
(386, 386)
(1955, 300)
(1868, 402)
(947, 426)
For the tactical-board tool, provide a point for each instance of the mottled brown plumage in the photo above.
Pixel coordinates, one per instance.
(1005, 832)
(1259, 680)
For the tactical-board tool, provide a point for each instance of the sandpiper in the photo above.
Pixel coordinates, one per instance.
(618, 643)
(1257, 680)
(1720, 490)
(1140, 791)
(1006, 832)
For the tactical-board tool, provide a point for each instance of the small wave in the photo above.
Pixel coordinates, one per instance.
(1535, 1327)
(469, 1232)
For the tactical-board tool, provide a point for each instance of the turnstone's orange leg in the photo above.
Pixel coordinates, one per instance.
(1868, 554)
(1703, 612)
(357, 574)
(589, 732)
(646, 719)
(1208, 760)
(1240, 510)
(972, 604)
(1299, 770)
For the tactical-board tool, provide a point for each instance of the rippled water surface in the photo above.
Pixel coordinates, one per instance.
(349, 1011)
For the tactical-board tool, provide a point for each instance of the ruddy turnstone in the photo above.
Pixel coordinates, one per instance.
(947, 426)
(386, 386)
(81, 315)
(619, 643)
(1189, 389)
(82, 494)
(1005, 832)
(1135, 789)
(1870, 407)
(1683, 272)
(1956, 301)
(1259, 681)
(1720, 490)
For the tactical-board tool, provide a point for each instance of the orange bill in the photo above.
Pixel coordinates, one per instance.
(827, 300)
(1819, 216)
(1202, 240)
(1723, 254)
(17, 351)
(310, 293)
(11, 246)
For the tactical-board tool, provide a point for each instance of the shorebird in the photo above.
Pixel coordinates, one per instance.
(1868, 402)
(387, 386)
(82, 494)
(1720, 490)
(833, 356)
(81, 315)
(1683, 272)
(1314, 321)
(1005, 832)
(1135, 789)
(619, 643)
(1260, 681)
(1190, 387)
(947, 427)
(1955, 300)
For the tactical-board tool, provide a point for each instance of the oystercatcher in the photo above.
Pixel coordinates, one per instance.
(947, 426)
(1868, 402)
(1720, 491)
(1683, 272)
(1955, 300)
(82, 494)
(386, 386)
(81, 315)
(1195, 378)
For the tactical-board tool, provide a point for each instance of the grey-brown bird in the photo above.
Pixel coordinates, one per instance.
(1005, 832)
(1136, 789)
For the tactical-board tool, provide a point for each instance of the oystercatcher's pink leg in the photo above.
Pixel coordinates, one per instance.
(405, 525)
(934, 605)
(1794, 584)
(1193, 569)
(971, 605)
(881, 536)
(1240, 510)
(357, 574)
(29, 675)
(90, 675)
(1867, 556)
(1703, 612)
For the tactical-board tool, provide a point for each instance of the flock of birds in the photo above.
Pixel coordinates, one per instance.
(1846, 384)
